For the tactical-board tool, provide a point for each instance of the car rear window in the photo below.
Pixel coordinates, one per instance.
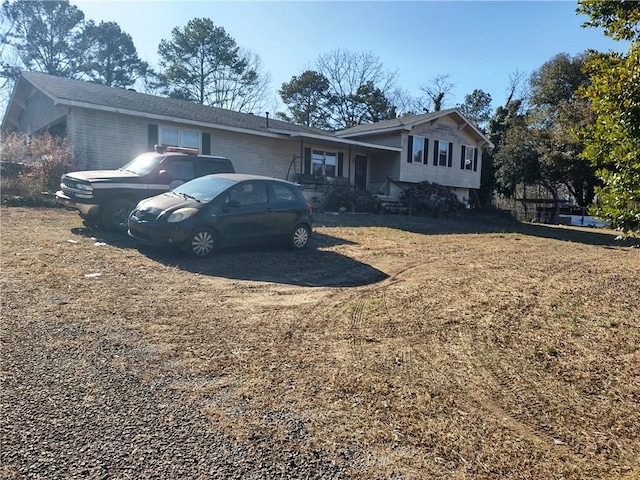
(284, 192)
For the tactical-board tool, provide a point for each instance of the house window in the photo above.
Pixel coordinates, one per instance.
(417, 153)
(417, 149)
(466, 158)
(443, 153)
(324, 163)
(169, 136)
(178, 137)
(330, 164)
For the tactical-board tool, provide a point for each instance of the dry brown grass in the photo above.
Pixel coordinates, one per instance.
(409, 348)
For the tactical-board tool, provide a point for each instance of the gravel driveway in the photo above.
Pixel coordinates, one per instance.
(71, 409)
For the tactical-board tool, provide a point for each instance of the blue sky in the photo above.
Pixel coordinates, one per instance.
(478, 43)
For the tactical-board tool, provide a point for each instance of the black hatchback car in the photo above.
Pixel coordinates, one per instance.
(224, 210)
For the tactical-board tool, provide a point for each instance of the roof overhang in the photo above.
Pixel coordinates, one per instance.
(328, 139)
(430, 119)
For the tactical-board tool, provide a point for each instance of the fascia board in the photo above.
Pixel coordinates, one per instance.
(345, 141)
(397, 128)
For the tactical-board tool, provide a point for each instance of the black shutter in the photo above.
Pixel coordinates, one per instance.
(462, 154)
(425, 159)
(475, 159)
(450, 155)
(307, 160)
(436, 148)
(410, 149)
(206, 143)
(152, 136)
(340, 163)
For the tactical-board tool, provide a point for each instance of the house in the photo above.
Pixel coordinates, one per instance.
(107, 126)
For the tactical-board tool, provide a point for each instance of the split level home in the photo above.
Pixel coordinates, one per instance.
(106, 127)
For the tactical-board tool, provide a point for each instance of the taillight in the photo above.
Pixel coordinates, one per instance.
(309, 209)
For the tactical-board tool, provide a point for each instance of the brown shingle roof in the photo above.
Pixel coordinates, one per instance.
(66, 90)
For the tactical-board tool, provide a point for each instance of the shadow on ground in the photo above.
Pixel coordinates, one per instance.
(310, 267)
(473, 222)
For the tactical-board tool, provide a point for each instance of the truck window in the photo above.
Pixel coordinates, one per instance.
(179, 168)
(210, 166)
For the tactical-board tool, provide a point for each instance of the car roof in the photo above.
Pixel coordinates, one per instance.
(241, 177)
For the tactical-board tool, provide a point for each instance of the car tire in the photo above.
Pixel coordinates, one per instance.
(115, 214)
(300, 236)
(92, 223)
(201, 243)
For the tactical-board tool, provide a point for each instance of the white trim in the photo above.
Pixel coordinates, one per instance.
(343, 141)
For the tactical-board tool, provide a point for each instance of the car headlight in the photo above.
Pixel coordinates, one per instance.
(181, 214)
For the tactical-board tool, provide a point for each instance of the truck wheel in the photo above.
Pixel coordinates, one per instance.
(92, 223)
(115, 214)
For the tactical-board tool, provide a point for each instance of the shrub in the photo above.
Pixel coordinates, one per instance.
(431, 199)
(345, 197)
(31, 167)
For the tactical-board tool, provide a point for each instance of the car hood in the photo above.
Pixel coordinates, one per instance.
(165, 201)
(103, 175)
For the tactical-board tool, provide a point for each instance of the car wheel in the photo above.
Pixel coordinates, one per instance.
(300, 237)
(115, 214)
(201, 243)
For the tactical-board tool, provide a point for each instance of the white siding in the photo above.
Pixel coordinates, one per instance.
(445, 130)
(39, 112)
(257, 155)
(105, 140)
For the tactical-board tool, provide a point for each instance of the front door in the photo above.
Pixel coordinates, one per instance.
(360, 177)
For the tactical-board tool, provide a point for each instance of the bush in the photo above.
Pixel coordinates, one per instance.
(346, 197)
(431, 199)
(31, 167)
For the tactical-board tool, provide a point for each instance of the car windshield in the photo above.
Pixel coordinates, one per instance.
(142, 164)
(204, 189)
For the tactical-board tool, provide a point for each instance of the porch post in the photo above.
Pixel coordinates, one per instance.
(301, 155)
(349, 174)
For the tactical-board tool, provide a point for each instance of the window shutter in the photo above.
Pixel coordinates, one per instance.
(152, 136)
(436, 149)
(425, 159)
(340, 163)
(475, 159)
(410, 149)
(206, 144)
(307, 160)
(449, 163)
(462, 155)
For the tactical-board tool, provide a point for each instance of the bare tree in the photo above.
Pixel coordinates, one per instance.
(436, 90)
(357, 82)
(405, 103)
(518, 88)
(245, 91)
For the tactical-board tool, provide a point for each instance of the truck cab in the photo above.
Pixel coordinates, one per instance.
(106, 197)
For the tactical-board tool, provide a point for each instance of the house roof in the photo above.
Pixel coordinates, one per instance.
(64, 91)
(408, 122)
(78, 93)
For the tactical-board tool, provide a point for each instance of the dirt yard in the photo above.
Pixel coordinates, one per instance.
(395, 347)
